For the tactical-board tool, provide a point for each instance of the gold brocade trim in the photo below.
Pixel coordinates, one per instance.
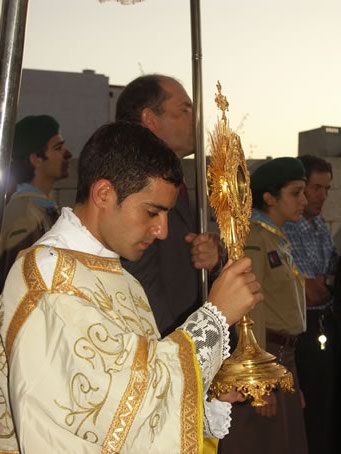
(191, 410)
(9, 452)
(130, 401)
(293, 267)
(36, 288)
(64, 271)
(96, 263)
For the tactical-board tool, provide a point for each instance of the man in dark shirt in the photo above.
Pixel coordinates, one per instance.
(170, 267)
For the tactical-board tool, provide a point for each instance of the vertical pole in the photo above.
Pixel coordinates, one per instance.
(12, 36)
(200, 158)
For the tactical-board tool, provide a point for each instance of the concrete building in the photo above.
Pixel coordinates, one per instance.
(324, 141)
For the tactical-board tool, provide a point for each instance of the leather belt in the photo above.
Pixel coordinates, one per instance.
(285, 340)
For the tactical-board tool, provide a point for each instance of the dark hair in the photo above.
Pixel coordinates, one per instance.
(145, 91)
(127, 155)
(22, 169)
(315, 164)
(257, 196)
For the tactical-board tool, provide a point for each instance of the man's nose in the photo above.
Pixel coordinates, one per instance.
(67, 153)
(323, 195)
(160, 228)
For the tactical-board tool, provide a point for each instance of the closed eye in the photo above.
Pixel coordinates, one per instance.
(152, 214)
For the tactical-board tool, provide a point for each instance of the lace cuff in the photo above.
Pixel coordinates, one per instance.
(217, 418)
(209, 332)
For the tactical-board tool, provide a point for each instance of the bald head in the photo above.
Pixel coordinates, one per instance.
(161, 104)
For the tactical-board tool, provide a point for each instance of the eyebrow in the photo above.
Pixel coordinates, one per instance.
(58, 144)
(322, 186)
(155, 205)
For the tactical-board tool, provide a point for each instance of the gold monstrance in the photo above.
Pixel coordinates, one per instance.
(250, 370)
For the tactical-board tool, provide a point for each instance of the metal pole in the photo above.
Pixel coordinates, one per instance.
(12, 36)
(200, 158)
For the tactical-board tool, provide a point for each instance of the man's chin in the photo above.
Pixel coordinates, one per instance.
(134, 257)
(316, 211)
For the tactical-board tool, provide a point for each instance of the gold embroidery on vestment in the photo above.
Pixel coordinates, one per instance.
(6, 422)
(191, 427)
(130, 401)
(87, 397)
(64, 272)
(95, 262)
(9, 452)
(35, 289)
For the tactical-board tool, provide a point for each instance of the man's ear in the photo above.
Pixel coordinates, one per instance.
(149, 119)
(103, 194)
(269, 199)
(35, 160)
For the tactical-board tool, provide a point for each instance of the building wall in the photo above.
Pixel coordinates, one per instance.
(324, 142)
(81, 102)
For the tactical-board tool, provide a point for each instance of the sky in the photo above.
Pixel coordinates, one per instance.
(278, 61)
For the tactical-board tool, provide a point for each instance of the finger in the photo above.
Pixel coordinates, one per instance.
(201, 238)
(243, 265)
(189, 238)
(258, 298)
(228, 264)
(254, 286)
(202, 248)
(249, 278)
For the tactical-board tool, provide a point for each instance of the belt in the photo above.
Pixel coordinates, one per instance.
(322, 308)
(285, 340)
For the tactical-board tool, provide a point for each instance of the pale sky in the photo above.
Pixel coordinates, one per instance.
(278, 61)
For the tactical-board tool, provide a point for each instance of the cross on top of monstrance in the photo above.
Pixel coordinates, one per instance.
(221, 102)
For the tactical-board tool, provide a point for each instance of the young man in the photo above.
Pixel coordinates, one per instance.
(40, 158)
(169, 267)
(316, 258)
(88, 371)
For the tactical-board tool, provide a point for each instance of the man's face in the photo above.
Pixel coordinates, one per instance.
(175, 124)
(56, 164)
(131, 227)
(316, 192)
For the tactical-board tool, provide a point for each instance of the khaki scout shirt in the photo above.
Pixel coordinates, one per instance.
(24, 223)
(283, 308)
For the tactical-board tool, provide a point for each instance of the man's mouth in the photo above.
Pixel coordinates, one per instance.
(145, 245)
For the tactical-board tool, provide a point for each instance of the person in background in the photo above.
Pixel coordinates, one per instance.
(278, 196)
(39, 159)
(161, 104)
(316, 258)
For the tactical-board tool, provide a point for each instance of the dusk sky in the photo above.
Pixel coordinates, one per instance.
(278, 61)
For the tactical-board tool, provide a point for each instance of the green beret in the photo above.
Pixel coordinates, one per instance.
(32, 134)
(275, 173)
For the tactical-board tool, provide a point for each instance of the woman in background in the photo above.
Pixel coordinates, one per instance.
(278, 196)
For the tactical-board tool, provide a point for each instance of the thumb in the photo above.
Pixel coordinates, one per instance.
(190, 237)
(243, 265)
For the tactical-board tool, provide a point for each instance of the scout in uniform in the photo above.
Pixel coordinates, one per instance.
(278, 196)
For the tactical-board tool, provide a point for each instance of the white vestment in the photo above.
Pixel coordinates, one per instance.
(88, 372)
